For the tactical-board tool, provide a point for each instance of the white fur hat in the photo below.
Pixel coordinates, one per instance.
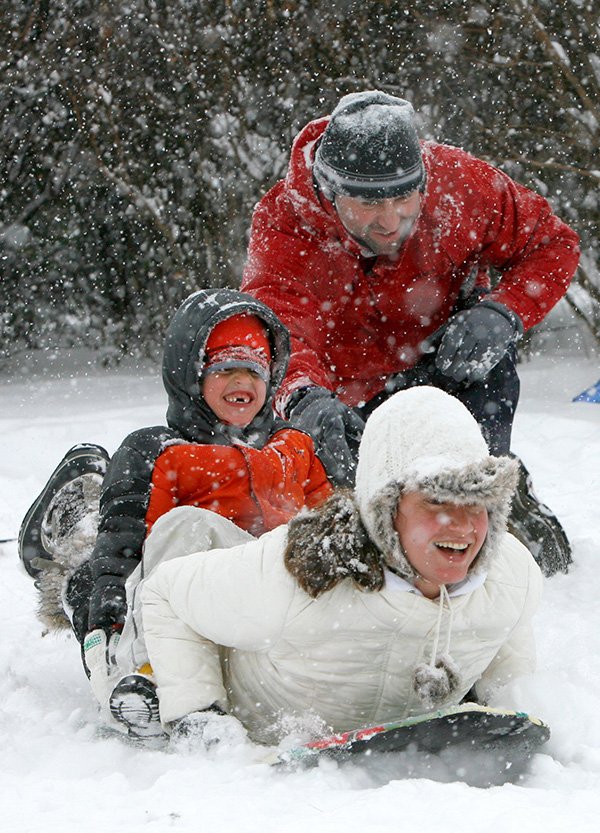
(422, 439)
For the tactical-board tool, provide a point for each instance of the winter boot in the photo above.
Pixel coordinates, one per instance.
(59, 532)
(43, 519)
(206, 729)
(134, 703)
(536, 526)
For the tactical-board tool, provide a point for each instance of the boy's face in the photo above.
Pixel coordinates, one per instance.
(235, 396)
(441, 540)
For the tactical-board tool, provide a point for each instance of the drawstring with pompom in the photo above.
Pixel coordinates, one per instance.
(435, 682)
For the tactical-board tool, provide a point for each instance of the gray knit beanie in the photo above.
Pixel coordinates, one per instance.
(370, 149)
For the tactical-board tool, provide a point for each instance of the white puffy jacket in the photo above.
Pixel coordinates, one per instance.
(347, 656)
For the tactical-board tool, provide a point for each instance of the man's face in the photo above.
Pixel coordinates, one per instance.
(383, 225)
(441, 540)
(235, 396)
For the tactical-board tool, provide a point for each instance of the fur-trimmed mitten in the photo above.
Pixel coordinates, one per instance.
(329, 544)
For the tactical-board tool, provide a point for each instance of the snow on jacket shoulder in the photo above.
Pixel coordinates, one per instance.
(347, 657)
(355, 320)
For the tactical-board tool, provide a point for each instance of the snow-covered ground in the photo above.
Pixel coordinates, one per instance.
(59, 773)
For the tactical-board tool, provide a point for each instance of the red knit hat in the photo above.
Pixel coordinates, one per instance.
(239, 341)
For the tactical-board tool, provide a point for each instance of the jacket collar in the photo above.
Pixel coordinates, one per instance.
(461, 588)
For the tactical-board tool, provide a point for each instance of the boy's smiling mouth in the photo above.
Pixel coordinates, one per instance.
(238, 398)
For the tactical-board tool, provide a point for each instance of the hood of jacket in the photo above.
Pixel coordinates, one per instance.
(423, 439)
(183, 360)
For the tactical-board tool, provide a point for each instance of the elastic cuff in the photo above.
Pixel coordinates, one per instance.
(508, 313)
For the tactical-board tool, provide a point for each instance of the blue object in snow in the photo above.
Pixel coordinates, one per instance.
(590, 395)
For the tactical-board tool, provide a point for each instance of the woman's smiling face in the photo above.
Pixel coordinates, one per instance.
(441, 540)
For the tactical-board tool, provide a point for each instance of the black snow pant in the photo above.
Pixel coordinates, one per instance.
(492, 402)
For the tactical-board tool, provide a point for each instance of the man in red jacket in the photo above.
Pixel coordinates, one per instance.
(376, 251)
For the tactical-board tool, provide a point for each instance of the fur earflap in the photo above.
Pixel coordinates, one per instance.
(435, 684)
(383, 510)
(329, 544)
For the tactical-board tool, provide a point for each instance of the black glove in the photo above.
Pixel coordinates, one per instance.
(108, 604)
(475, 340)
(77, 599)
(335, 429)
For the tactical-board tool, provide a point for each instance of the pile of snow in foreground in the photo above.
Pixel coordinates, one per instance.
(59, 774)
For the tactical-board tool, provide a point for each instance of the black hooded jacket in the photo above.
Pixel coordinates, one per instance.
(128, 482)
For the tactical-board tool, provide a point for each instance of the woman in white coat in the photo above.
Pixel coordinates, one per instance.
(393, 600)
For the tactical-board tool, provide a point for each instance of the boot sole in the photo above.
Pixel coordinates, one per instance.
(134, 703)
(81, 459)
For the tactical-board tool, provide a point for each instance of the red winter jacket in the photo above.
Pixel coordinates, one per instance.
(354, 320)
(256, 488)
